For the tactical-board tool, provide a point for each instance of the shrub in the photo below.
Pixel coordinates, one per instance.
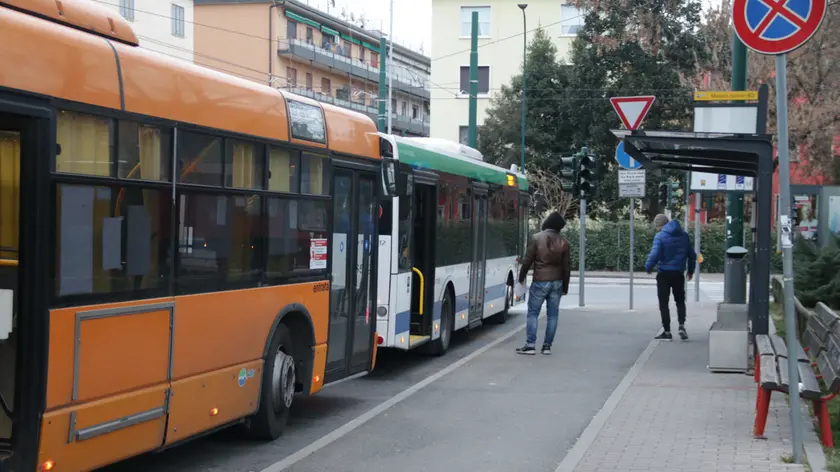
(607, 246)
(817, 272)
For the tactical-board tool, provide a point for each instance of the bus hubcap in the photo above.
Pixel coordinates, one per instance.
(283, 381)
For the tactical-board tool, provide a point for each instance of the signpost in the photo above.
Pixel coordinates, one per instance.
(631, 182)
(775, 28)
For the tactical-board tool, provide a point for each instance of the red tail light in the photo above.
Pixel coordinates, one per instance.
(379, 340)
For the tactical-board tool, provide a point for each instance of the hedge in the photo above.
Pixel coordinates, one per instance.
(607, 246)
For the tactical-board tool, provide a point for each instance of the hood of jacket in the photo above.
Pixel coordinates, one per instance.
(673, 228)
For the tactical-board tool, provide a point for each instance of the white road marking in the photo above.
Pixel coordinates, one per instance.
(376, 411)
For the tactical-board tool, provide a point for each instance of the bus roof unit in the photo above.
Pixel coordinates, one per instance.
(454, 158)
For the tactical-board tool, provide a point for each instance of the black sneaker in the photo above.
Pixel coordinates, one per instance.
(665, 336)
(527, 350)
(546, 350)
(683, 334)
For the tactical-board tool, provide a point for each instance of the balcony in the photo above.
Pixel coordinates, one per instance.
(340, 62)
(399, 123)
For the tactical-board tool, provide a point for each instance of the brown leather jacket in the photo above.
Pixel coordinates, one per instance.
(551, 257)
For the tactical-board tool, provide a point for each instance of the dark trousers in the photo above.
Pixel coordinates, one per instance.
(667, 282)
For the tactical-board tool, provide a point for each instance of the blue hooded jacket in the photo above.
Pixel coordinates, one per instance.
(671, 250)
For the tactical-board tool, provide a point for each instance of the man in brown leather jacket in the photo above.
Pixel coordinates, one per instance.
(551, 258)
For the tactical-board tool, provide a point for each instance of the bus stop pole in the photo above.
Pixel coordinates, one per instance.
(787, 252)
(632, 244)
(697, 245)
(582, 250)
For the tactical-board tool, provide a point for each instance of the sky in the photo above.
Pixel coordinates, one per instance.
(412, 18)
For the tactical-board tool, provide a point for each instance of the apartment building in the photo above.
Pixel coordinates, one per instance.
(165, 26)
(293, 46)
(500, 43)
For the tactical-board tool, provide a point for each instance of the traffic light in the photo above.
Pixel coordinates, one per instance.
(585, 173)
(568, 170)
(664, 195)
(674, 193)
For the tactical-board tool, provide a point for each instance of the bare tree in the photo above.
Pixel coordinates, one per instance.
(548, 193)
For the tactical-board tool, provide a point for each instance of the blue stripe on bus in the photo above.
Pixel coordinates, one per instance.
(403, 322)
(462, 303)
(494, 292)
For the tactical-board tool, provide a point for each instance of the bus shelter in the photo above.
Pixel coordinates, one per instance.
(749, 155)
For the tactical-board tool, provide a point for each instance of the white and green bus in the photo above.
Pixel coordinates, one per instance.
(449, 244)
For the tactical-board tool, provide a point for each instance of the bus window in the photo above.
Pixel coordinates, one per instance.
(405, 227)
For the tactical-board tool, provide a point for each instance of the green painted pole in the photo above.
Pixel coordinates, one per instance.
(735, 201)
(523, 6)
(471, 141)
(383, 87)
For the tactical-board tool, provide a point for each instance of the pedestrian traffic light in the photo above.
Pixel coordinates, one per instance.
(664, 195)
(585, 173)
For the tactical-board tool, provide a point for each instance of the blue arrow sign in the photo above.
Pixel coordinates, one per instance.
(624, 159)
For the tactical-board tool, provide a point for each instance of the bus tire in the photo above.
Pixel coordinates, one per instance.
(278, 388)
(447, 325)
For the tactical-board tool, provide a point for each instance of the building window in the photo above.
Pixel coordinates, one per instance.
(374, 59)
(414, 111)
(483, 80)
(291, 29)
(308, 81)
(483, 21)
(309, 36)
(464, 134)
(127, 9)
(291, 76)
(178, 21)
(571, 20)
(326, 86)
(362, 54)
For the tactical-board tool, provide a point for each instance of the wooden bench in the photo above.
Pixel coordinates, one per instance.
(821, 349)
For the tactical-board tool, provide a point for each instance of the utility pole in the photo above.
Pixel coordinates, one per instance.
(735, 200)
(523, 6)
(382, 86)
(390, 67)
(472, 134)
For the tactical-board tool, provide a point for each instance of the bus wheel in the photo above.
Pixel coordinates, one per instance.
(278, 388)
(447, 323)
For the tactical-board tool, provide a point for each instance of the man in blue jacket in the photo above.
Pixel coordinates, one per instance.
(671, 251)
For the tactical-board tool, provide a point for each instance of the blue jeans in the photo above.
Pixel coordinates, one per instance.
(550, 292)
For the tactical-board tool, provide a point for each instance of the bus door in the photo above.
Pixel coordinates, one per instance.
(24, 190)
(477, 263)
(353, 265)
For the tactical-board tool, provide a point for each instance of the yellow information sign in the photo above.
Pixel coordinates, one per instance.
(707, 96)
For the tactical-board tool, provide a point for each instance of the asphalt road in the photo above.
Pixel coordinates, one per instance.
(479, 407)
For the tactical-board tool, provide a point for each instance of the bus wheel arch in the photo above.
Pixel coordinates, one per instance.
(447, 322)
(287, 369)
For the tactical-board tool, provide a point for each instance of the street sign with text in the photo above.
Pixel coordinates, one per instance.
(631, 183)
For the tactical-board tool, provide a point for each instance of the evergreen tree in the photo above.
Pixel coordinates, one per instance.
(626, 48)
(548, 126)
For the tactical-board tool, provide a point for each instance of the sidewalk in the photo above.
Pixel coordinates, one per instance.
(671, 413)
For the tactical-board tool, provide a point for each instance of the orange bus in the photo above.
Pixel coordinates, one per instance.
(165, 268)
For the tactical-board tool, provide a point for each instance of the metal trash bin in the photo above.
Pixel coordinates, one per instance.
(735, 275)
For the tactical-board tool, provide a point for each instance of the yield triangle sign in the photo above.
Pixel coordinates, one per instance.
(632, 110)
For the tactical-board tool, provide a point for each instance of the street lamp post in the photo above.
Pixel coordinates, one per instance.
(523, 6)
